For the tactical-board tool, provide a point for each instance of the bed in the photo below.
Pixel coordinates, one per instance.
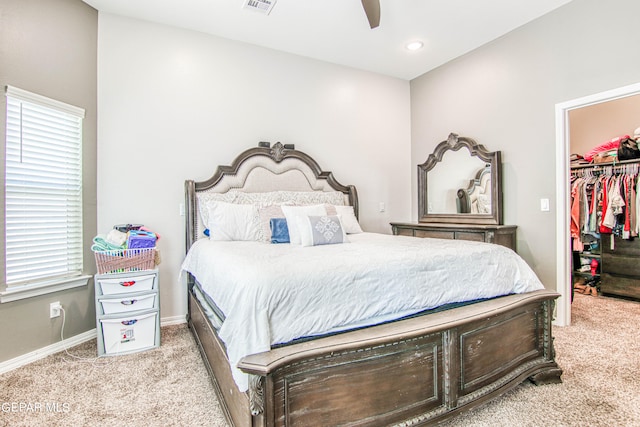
(421, 364)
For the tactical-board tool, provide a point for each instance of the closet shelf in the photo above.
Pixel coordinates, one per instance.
(599, 165)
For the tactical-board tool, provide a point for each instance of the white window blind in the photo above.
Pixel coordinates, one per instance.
(43, 189)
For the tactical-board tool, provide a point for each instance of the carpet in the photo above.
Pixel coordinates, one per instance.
(169, 386)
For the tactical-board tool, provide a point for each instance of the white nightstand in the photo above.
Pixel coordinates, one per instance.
(127, 312)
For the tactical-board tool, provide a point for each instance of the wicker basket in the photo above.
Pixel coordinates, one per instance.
(125, 260)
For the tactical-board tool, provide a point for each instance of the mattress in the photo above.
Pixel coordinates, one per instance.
(276, 293)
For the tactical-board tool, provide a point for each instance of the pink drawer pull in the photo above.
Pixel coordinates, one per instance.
(129, 283)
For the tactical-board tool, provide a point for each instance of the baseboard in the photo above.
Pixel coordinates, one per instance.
(173, 320)
(41, 353)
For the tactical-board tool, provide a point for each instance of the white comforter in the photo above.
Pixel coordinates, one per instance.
(274, 293)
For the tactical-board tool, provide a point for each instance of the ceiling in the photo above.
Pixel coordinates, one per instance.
(337, 31)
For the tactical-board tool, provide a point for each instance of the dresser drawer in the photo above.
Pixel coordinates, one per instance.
(466, 235)
(624, 247)
(620, 264)
(128, 334)
(124, 284)
(125, 304)
(619, 285)
(436, 234)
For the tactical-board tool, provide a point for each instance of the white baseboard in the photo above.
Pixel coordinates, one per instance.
(43, 352)
(173, 320)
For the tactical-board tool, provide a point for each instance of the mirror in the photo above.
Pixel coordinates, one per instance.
(460, 182)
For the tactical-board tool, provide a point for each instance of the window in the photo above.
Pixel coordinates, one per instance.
(43, 194)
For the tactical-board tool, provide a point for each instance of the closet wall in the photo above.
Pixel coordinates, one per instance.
(616, 256)
(591, 126)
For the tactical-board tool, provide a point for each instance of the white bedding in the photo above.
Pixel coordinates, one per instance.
(274, 293)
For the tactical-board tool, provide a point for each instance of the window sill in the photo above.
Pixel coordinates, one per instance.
(16, 293)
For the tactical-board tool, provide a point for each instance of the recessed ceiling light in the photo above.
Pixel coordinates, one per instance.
(414, 45)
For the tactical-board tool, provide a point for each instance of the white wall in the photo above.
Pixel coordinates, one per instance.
(173, 104)
(504, 95)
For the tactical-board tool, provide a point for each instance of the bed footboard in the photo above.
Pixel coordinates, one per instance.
(410, 372)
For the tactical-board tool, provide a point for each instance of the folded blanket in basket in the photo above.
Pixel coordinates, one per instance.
(100, 243)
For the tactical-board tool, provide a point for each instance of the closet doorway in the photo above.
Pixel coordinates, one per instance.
(565, 113)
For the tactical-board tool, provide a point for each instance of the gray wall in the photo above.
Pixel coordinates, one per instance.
(50, 48)
(504, 94)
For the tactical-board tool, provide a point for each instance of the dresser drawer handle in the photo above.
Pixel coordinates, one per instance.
(129, 283)
(129, 302)
(129, 322)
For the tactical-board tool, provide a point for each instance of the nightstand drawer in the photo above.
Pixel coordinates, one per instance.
(126, 304)
(122, 285)
(128, 334)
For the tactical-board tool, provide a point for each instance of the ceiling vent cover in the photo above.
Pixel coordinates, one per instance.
(262, 6)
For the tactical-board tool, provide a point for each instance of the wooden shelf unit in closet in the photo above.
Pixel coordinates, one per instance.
(618, 258)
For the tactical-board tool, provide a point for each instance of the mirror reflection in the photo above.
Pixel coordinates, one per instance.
(455, 174)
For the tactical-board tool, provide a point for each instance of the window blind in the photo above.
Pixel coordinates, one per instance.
(43, 189)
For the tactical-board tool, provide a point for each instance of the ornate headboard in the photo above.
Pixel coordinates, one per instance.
(476, 199)
(263, 169)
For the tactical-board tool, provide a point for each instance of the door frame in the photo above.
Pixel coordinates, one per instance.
(563, 238)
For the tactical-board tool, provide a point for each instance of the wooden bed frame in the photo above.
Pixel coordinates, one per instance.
(415, 371)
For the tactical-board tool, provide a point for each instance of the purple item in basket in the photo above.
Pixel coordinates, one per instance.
(140, 239)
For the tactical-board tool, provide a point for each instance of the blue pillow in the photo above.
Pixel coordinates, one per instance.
(279, 230)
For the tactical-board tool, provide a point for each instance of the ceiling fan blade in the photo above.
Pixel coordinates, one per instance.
(372, 9)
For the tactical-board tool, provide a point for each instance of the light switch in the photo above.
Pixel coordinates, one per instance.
(544, 205)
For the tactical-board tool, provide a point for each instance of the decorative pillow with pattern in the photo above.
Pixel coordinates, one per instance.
(292, 213)
(321, 230)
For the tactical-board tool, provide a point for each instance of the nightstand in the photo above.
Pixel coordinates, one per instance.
(127, 312)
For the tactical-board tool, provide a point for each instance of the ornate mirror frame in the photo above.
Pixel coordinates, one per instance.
(493, 158)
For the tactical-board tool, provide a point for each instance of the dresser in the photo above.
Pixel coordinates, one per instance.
(127, 312)
(620, 269)
(504, 235)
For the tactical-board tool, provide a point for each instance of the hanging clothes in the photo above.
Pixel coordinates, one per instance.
(604, 199)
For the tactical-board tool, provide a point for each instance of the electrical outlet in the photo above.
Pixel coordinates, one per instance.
(54, 309)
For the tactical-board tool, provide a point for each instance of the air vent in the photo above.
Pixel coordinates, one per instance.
(262, 6)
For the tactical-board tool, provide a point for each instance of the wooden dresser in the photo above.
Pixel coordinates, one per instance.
(620, 269)
(504, 235)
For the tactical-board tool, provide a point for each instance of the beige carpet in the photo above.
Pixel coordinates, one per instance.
(599, 353)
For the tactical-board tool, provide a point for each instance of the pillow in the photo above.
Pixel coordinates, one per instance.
(231, 221)
(348, 219)
(279, 230)
(321, 230)
(293, 212)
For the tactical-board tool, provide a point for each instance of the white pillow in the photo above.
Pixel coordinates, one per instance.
(231, 221)
(321, 230)
(293, 212)
(348, 219)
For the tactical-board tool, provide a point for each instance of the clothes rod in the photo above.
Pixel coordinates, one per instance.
(598, 165)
